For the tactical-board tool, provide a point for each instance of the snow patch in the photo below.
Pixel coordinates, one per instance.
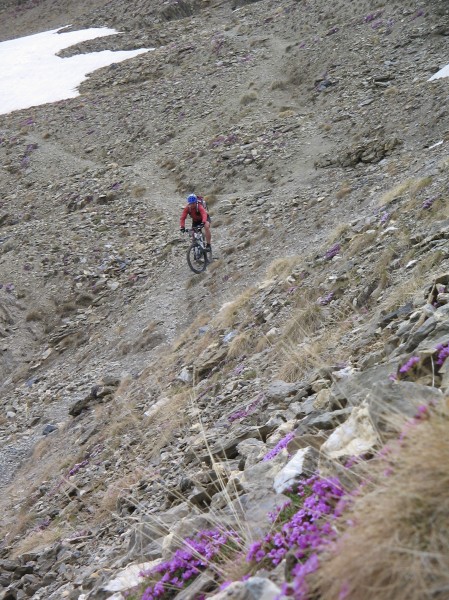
(32, 74)
(444, 72)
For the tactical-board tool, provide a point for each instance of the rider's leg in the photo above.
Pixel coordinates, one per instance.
(207, 232)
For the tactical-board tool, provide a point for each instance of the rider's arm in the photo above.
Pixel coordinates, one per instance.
(184, 214)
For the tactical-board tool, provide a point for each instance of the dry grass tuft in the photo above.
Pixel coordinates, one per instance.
(305, 322)
(283, 267)
(299, 360)
(412, 187)
(138, 191)
(115, 490)
(344, 190)
(419, 184)
(36, 541)
(396, 548)
(342, 231)
(278, 85)
(35, 314)
(361, 242)
(405, 291)
(395, 193)
(248, 98)
(191, 332)
(147, 339)
(240, 344)
(231, 312)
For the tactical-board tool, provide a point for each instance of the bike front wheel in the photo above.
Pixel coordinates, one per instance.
(197, 258)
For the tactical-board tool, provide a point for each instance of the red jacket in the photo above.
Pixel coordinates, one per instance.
(198, 216)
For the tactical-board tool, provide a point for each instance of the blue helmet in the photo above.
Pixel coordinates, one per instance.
(191, 199)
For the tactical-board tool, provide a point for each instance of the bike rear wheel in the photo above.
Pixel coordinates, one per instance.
(197, 258)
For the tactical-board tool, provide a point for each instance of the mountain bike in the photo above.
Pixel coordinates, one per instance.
(197, 256)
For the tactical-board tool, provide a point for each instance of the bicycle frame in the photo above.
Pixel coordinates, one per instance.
(197, 236)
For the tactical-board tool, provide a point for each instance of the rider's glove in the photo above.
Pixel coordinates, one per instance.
(182, 229)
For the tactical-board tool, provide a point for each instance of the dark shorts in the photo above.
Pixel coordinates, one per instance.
(196, 223)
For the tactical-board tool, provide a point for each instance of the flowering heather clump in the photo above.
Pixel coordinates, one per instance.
(187, 563)
(332, 251)
(245, 412)
(412, 361)
(428, 202)
(443, 353)
(419, 13)
(78, 466)
(279, 446)
(385, 217)
(324, 300)
(372, 17)
(304, 534)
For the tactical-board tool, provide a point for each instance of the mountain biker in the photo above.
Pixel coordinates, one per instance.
(195, 208)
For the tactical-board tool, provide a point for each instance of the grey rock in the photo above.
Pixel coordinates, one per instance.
(227, 448)
(151, 529)
(198, 587)
(390, 403)
(255, 588)
(402, 312)
(185, 375)
(355, 388)
(279, 390)
(251, 450)
(416, 337)
(328, 420)
(49, 429)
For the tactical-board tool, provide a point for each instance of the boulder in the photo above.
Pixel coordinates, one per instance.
(251, 450)
(227, 448)
(153, 528)
(204, 367)
(279, 390)
(356, 387)
(199, 586)
(255, 588)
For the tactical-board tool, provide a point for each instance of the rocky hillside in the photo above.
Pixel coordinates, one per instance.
(142, 405)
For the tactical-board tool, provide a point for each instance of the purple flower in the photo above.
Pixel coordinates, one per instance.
(428, 202)
(385, 217)
(333, 251)
(279, 446)
(186, 563)
(304, 534)
(372, 17)
(443, 353)
(412, 361)
(326, 299)
(242, 413)
(78, 466)
(419, 13)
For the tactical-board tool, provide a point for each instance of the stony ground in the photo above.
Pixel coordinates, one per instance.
(315, 135)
